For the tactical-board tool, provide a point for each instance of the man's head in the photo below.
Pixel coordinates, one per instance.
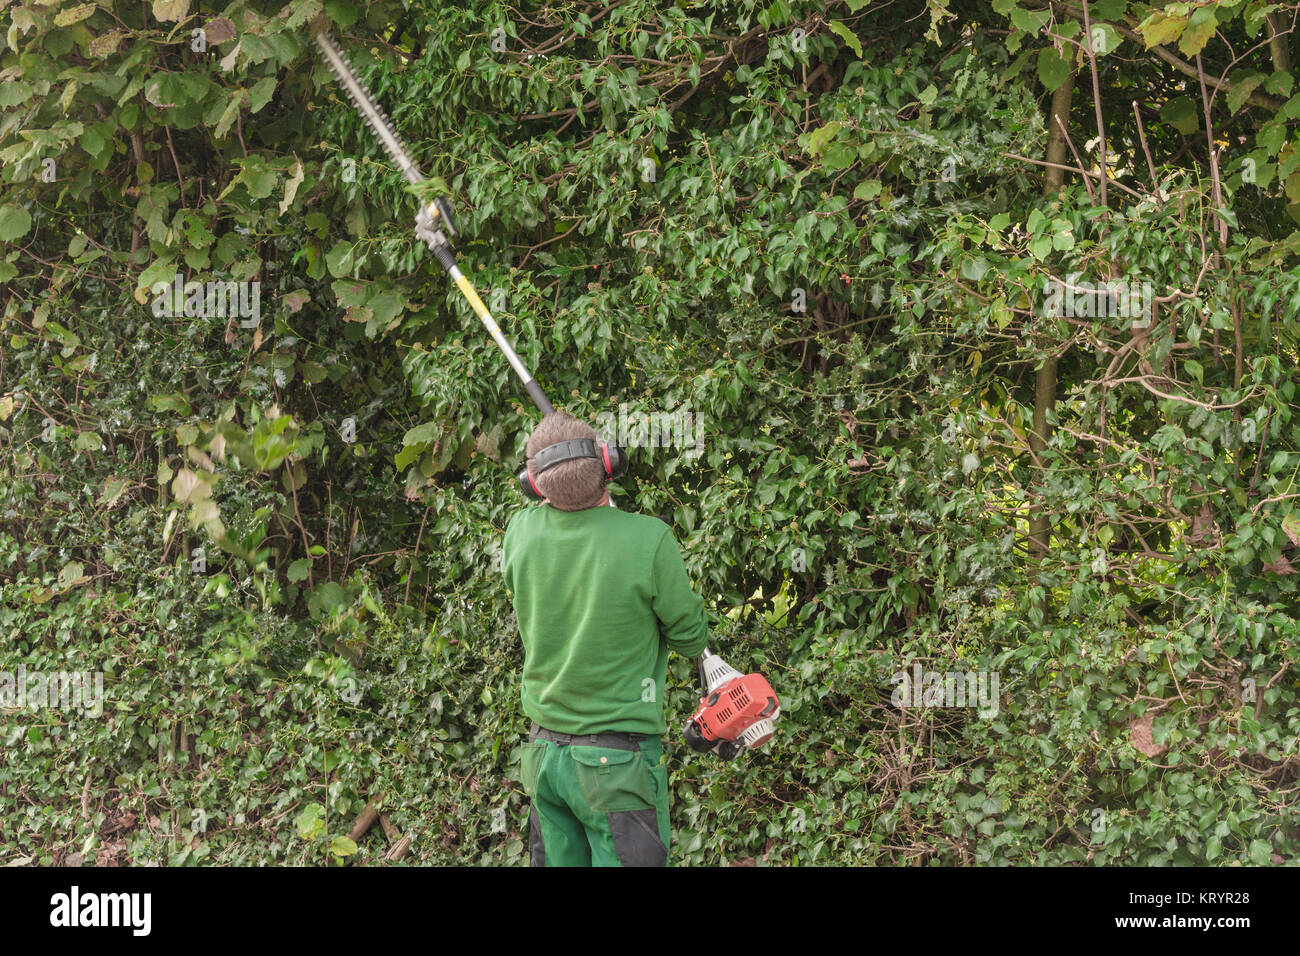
(570, 485)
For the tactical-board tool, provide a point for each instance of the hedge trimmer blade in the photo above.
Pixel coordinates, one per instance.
(433, 222)
(367, 107)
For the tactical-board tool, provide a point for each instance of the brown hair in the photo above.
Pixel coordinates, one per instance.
(570, 485)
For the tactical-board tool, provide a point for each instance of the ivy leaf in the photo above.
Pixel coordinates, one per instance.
(88, 441)
(1052, 68)
(1160, 28)
(291, 187)
(189, 488)
(229, 115)
(1213, 849)
(1293, 187)
(1104, 39)
(310, 821)
(341, 259)
(1029, 21)
(1241, 90)
(114, 486)
(331, 597)
(295, 300)
(819, 137)
(974, 268)
(1199, 30)
(1180, 113)
(67, 18)
(868, 189)
(261, 94)
(343, 846)
(72, 574)
(422, 434)
(170, 11)
(1259, 852)
(848, 36)
(15, 222)
(218, 31)
(1279, 83)
(341, 12)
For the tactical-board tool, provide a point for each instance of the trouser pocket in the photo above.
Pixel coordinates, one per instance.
(530, 765)
(613, 780)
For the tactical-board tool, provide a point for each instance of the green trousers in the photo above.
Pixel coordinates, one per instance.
(596, 806)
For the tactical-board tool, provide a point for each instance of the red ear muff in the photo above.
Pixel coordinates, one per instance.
(527, 486)
(615, 459)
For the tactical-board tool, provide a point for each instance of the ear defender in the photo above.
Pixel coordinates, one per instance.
(615, 459)
(526, 485)
(610, 455)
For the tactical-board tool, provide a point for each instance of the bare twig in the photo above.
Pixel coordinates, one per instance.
(1096, 99)
(1069, 142)
(1142, 135)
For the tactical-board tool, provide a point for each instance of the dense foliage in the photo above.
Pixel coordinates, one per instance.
(827, 232)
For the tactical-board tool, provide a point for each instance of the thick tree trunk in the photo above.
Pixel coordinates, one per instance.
(1056, 144)
(1279, 42)
(1040, 524)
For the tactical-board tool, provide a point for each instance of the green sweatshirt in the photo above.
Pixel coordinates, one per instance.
(600, 595)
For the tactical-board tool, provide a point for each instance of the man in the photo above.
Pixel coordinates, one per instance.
(600, 596)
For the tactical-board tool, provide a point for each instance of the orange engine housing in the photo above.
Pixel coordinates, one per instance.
(726, 713)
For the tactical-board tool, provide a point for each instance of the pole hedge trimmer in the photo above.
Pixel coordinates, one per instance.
(433, 223)
(738, 711)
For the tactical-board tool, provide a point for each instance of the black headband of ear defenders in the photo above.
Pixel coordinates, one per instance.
(560, 452)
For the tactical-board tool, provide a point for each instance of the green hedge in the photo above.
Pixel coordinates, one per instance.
(831, 248)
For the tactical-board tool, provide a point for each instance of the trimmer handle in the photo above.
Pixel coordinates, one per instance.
(714, 671)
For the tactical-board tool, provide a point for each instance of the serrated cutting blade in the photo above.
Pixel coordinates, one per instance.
(375, 117)
(434, 216)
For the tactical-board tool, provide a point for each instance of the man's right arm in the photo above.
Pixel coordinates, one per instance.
(679, 609)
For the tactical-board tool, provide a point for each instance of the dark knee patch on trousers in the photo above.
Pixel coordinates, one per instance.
(636, 837)
(536, 848)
